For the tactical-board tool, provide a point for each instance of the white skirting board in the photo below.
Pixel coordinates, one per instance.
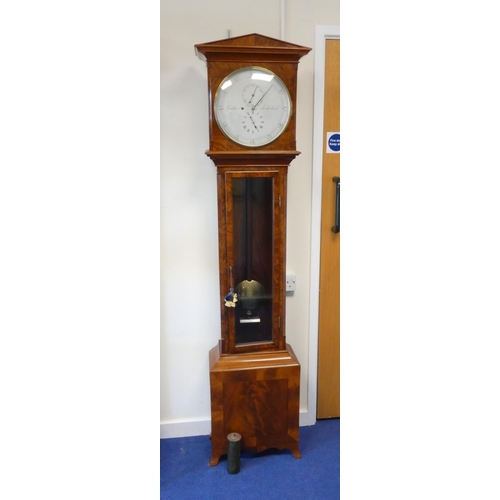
(203, 427)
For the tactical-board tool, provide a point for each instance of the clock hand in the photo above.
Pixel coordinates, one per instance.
(253, 123)
(255, 90)
(255, 105)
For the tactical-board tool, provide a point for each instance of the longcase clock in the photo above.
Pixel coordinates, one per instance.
(254, 373)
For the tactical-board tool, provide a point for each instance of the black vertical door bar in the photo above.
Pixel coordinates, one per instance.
(336, 228)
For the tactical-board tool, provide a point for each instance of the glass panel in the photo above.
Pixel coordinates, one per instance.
(253, 258)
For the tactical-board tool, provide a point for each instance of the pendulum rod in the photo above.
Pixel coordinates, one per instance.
(249, 227)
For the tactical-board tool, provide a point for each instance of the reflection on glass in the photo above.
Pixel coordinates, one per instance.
(253, 258)
(262, 76)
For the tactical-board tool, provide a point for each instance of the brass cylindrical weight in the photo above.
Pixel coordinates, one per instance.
(233, 452)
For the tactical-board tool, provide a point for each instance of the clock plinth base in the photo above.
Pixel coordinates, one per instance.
(256, 395)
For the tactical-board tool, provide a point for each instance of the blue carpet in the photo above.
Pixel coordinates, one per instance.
(269, 475)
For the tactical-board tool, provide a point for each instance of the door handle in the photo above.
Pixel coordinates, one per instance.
(336, 228)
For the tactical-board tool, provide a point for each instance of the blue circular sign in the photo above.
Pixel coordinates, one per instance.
(334, 142)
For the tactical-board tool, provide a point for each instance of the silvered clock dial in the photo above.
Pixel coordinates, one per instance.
(252, 106)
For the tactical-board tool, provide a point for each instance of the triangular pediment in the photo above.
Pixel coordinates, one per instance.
(253, 43)
(253, 40)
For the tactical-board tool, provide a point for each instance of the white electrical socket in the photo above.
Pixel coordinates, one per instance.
(291, 282)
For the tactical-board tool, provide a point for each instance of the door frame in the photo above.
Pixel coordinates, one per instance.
(323, 33)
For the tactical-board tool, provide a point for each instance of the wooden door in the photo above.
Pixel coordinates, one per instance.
(329, 296)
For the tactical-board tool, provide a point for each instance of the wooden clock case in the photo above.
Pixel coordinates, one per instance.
(254, 373)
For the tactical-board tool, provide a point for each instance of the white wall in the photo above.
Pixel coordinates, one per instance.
(190, 321)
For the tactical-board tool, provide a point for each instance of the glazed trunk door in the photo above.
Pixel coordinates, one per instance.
(253, 209)
(329, 306)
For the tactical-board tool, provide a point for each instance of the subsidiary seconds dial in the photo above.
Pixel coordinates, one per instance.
(252, 106)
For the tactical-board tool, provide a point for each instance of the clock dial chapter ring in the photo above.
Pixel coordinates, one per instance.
(252, 106)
